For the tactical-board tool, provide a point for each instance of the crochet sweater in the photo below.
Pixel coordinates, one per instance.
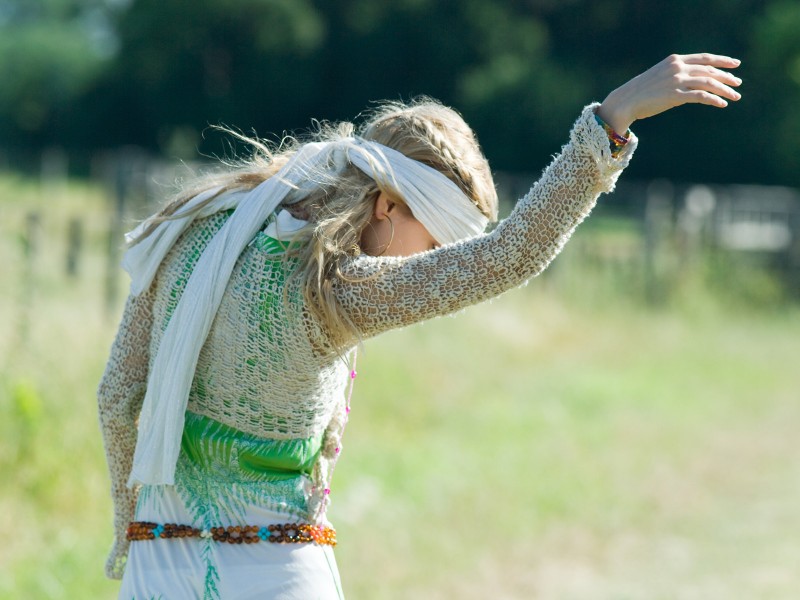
(267, 369)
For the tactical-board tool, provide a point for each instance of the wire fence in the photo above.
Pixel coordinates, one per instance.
(642, 238)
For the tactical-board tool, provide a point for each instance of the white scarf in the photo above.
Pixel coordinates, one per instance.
(434, 200)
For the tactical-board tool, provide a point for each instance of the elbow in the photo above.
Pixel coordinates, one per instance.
(116, 407)
(106, 397)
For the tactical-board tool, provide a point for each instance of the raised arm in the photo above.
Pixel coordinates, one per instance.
(379, 294)
(383, 293)
(120, 396)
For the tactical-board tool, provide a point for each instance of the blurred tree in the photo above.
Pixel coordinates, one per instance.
(517, 93)
(99, 73)
(50, 51)
(274, 64)
(608, 41)
(185, 63)
(489, 59)
(776, 56)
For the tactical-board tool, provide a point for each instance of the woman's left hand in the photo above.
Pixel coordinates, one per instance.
(676, 80)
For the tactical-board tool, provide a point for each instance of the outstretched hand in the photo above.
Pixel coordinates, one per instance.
(676, 80)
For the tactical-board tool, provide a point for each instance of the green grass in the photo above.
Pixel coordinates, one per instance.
(561, 442)
(543, 451)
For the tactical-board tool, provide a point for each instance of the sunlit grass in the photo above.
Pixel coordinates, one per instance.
(561, 442)
(621, 430)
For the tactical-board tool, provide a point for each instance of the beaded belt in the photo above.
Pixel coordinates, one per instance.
(285, 533)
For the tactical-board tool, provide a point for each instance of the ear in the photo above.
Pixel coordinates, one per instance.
(383, 206)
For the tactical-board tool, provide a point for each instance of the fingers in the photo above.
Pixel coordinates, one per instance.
(707, 84)
(711, 85)
(702, 79)
(723, 76)
(701, 97)
(714, 60)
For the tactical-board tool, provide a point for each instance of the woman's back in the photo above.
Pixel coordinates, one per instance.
(258, 369)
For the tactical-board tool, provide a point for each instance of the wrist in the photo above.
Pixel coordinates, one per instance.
(613, 113)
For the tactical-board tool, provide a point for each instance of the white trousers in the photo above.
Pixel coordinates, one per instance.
(201, 569)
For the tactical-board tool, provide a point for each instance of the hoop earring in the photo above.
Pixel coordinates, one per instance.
(391, 237)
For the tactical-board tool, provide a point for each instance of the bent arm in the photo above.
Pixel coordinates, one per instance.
(379, 294)
(120, 396)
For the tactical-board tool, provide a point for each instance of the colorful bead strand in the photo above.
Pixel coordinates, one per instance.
(280, 533)
(616, 141)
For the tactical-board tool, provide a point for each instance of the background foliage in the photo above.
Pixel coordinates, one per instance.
(90, 74)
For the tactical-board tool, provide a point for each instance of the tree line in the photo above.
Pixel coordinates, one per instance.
(88, 75)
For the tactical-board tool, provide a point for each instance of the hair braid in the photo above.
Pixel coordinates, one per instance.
(454, 158)
(436, 135)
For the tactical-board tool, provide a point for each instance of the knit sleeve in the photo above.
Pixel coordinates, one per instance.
(379, 294)
(120, 396)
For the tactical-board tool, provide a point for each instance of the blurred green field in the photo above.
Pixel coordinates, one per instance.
(560, 442)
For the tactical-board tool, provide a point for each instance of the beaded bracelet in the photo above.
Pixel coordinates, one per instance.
(292, 533)
(616, 141)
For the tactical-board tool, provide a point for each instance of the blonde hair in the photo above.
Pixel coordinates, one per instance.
(340, 208)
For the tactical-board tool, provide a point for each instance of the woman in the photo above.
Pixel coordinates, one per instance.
(250, 292)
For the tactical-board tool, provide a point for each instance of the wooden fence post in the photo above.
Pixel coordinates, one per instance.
(30, 249)
(657, 215)
(74, 246)
(121, 185)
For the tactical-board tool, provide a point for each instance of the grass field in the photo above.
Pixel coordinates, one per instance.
(552, 444)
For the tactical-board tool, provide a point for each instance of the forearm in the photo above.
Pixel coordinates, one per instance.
(119, 398)
(119, 439)
(544, 220)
